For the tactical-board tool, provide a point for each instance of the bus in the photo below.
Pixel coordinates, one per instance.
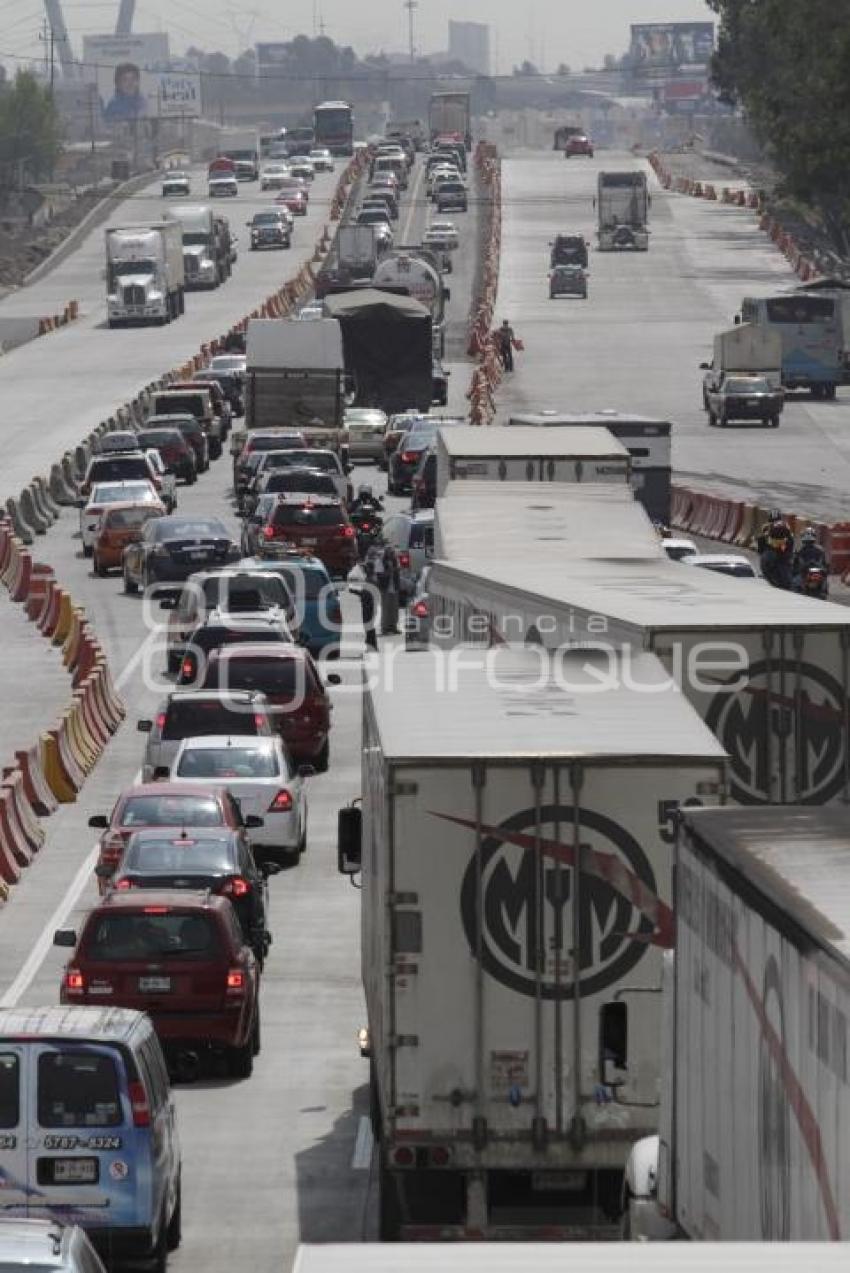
(333, 127)
(812, 338)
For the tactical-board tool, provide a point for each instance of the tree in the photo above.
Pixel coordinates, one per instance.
(787, 62)
(30, 131)
(563, 69)
(526, 68)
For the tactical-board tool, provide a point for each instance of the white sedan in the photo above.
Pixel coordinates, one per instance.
(105, 493)
(733, 564)
(260, 775)
(322, 160)
(447, 231)
(272, 176)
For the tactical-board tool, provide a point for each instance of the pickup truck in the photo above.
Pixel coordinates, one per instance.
(742, 397)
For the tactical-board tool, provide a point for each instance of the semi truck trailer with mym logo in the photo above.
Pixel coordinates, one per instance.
(767, 670)
(515, 842)
(753, 1142)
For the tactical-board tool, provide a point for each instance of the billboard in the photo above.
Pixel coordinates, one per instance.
(272, 58)
(147, 52)
(135, 79)
(667, 46)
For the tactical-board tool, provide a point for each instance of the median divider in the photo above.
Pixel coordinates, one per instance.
(482, 341)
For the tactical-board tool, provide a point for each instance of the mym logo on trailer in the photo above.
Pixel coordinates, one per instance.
(527, 906)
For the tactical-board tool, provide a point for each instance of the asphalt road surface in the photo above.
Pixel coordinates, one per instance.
(637, 342)
(286, 1156)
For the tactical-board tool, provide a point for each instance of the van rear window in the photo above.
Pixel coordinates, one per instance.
(9, 1090)
(78, 1089)
(151, 936)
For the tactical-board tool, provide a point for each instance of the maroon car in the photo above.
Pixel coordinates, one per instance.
(180, 957)
(318, 524)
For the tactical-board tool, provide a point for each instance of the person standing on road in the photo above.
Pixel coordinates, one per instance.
(382, 569)
(506, 343)
(362, 587)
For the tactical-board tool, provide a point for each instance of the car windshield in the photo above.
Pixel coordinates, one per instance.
(119, 466)
(121, 269)
(182, 853)
(188, 528)
(267, 218)
(308, 515)
(155, 933)
(229, 762)
(172, 810)
(751, 385)
(78, 1089)
(185, 403)
(128, 518)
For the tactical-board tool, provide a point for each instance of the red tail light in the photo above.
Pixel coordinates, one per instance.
(409, 457)
(268, 532)
(259, 720)
(75, 982)
(160, 721)
(139, 1105)
(154, 910)
(347, 532)
(420, 610)
(404, 560)
(124, 884)
(187, 667)
(282, 802)
(237, 887)
(236, 982)
(365, 526)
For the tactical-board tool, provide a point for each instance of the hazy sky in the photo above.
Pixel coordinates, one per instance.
(578, 32)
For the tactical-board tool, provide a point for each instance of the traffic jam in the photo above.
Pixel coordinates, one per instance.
(601, 770)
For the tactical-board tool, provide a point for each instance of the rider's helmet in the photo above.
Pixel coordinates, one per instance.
(809, 536)
(775, 515)
(364, 491)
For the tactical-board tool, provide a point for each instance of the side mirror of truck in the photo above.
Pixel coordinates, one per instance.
(447, 294)
(349, 840)
(705, 366)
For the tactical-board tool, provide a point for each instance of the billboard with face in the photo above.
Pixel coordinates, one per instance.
(669, 45)
(135, 79)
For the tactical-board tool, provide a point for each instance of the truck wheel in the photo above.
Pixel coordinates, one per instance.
(712, 418)
(829, 391)
(774, 422)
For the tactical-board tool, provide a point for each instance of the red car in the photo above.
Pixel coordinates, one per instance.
(180, 957)
(318, 524)
(299, 703)
(294, 196)
(159, 805)
(578, 144)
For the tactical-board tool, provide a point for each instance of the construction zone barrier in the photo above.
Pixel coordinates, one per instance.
(482, 345)
(54, 321)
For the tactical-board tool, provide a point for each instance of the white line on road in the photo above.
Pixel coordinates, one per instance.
(361, 1159)
(38, 954)
(417, 182)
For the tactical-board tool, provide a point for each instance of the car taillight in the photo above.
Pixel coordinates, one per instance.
(139, 1106)
(365, 525)
(236, 887)
(259, 721)
(282, 802)
(235, 981)
(125, 883)
(347, 532)
(268, 532)
(160, 721)
(420, 610)
(404, 560)
(408, 457)
(75, 982)
(187, 667)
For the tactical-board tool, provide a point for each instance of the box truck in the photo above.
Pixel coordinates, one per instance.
(206, 245)
(622, 207)
(530, 455)
(648, 442)
(295, 379)
(753, 1142)
(514, 839)
(767, 670)
(145, 280)
(745, 348)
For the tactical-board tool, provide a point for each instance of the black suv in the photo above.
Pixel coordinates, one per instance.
(568, 249)
(423, 485)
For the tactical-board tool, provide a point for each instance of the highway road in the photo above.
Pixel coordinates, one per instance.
(637, 342)
(286, 1156)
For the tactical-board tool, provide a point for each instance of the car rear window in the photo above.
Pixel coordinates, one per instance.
(752, 385)
(172, 810)
(119, 467)
(312, 483)
(270, 676)
(167, 403)
(422, 535)
(306, 583)
(10, 1100)
(201, 718)
(180, 854)
(229, 762)
(212, 636)
(151, 934)
(183, 528)
(233, 594)
(162, 437)
(129, 518)
(328, 463)
(78, 1089)
(304, 516)
(278, 443)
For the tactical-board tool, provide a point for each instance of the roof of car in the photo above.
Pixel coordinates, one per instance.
(153, 835)
(179, 899)
(118, 505)
(260, 650)
(289, 557)
(241, 696)
(169, 789)
(211, 742)
(316, 498)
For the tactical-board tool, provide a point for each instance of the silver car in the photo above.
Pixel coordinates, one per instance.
(412, 537)
(197, 714)
(567, 280)
(367, 427)
(46, 1246)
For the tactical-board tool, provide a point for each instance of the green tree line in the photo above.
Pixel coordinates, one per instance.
(30, 131)
(787, 63)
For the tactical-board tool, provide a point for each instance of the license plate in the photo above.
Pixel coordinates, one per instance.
(154, 985)
(309, 543)
(199, 554)
(74, 1171)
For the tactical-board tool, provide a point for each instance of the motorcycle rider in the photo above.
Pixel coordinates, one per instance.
(366, 501)
(775, 545)
(810, 554)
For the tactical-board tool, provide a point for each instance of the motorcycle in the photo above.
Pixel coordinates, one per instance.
(368, 526)
(813, 581)
(776, 569)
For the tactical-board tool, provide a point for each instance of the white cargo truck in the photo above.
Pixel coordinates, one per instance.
(753, 1142)
(520, 522)
(648, 442)
(745, 348)
(514, 838)
(356, 251)
(622, 207)
(145, 279)
(530, 454)
(203, 261)
(767, 670)
(294, 379)
(579, 1257)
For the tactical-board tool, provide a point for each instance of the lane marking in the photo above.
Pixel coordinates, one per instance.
(420, 171)
(38, 954)
(361, 1159)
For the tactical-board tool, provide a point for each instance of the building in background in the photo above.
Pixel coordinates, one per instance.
(469, 42)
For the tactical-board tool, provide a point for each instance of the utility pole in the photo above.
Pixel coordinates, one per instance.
(49, 41)
(411, 6)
